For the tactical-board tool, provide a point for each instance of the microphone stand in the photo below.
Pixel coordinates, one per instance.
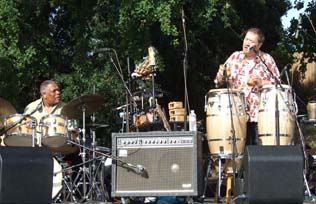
(127, 89)
(185, 67)
(234, 147)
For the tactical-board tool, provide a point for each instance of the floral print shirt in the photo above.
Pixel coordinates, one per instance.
(240, 71)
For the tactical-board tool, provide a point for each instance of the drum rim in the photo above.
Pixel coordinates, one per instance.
(18, 134)
(18, 114)
(225, 91)
(54, 116)
(272, 86)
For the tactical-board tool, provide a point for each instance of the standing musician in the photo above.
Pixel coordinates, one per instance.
(246, 71)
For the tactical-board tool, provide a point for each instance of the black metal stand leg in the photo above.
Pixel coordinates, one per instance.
(207, 174)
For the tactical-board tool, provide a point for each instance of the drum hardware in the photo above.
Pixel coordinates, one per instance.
(79, 108)
(87, 184)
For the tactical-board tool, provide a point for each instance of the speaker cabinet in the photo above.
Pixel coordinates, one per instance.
(156, 164)
(26, 175)
(273, 174)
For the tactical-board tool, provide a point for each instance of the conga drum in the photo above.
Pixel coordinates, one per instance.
(225, 108)
(266, 116)
(311, 110)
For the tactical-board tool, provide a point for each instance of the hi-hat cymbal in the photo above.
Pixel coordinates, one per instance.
(87, 103)
(5, 109)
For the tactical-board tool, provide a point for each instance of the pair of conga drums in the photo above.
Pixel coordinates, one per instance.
(226, 109)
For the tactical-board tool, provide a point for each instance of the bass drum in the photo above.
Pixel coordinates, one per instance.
(57, 179)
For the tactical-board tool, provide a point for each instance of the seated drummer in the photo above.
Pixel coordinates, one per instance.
(49, 103)
(246, 72)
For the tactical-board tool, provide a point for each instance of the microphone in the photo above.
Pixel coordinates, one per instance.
(284, 69)
(225, 72)
(299, 27)
(38, 108)
(252, 48)
(140, 168)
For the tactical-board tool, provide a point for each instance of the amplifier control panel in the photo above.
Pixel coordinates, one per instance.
(137, 142)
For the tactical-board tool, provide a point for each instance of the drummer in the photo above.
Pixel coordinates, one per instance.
(247, 73)
(49, 103)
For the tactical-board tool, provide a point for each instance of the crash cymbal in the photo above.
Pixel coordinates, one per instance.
(5, 109)
(96, 125)
(90, 103)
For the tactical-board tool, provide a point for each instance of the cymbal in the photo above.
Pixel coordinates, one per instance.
(89, 103)
(96, 125)
(5, 109)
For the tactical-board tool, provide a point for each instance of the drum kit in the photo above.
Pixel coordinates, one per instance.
(80, 168)
(226, 126)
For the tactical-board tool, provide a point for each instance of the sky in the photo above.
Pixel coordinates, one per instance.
(293, 13)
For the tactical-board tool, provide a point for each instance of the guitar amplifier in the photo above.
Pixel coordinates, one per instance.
(157, 164)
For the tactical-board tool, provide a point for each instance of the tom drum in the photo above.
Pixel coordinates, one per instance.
(20, 130)
(54, 130)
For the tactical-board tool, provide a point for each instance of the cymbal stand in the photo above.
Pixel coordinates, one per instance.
(33, 126)
(96, 190)
(83, 153)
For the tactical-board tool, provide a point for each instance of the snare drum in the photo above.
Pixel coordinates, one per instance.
(22, 133)
(219, 124)
(266, 115)
(54, 130)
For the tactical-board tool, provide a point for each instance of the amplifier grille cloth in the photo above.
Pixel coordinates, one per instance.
(168, 168)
